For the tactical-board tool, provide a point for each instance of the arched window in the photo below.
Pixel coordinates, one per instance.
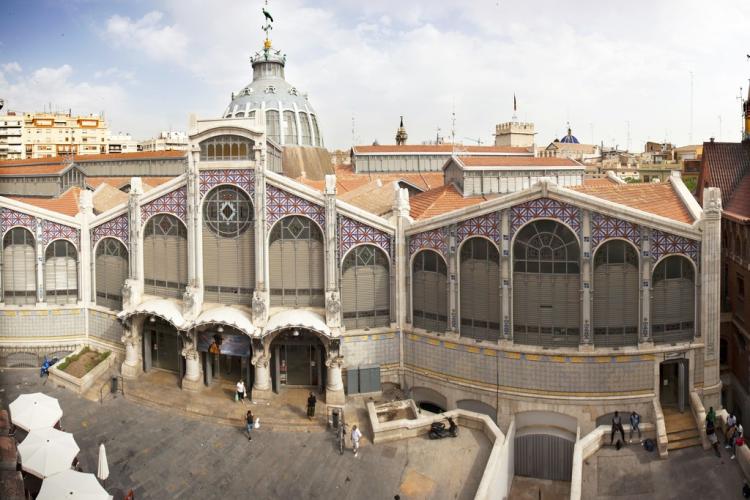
(296, 262)
(430, 291)
(546, 285)
(228, 246)
(290, 128)
(272, 126)
(19, 267)
(61, 273)
(365, 288)
(673, 300)
(165, 266)
(318, 140)
(111, 272)
(305, 137)
(480, 289)
(226, 148)
(615, 306)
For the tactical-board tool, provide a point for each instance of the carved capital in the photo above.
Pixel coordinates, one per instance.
(335, 361)
(259, 307)
(333, 309)
(260, 358)
(189, 353)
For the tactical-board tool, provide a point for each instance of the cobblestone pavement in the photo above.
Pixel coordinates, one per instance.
(633, 473)
(162, 455)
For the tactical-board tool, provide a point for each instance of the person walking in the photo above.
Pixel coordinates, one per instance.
(311, 402)
(711, 435)
(241, 391)
(635, 422)
(249, 423)
(616, 426)
(739, 440)
(356, 436)
(730, 432)
(711, 416)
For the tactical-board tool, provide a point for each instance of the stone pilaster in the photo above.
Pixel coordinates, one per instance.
(505, 276)
(587, 330)
(38, 233)
(260, 295)
(192, 380)
(453, 289)
(645, 339)
(86, 206)
(710, 293)
(333, 295)
(193, 296)
(133, 289)
(401, 266)
(132, 338)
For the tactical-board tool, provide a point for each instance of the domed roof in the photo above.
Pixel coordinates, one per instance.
(570, 138)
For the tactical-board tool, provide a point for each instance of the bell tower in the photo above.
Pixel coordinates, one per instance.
(401, 134)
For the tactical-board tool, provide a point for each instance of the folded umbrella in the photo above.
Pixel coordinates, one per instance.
(72, 485)
(35, 411)
(45, 452)
(102, 470)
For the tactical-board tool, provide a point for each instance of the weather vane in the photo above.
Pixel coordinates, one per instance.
(268, 26)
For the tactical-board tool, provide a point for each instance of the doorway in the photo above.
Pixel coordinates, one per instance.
(673, 384)
(297, 360)
(225, 355)
(161, 346)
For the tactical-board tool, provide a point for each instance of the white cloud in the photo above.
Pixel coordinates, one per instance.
(148, 35)
(11, 67)
(115, 73)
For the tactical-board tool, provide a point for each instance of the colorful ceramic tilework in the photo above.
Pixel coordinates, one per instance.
(174, 202)
(545, 208)
(352, 233)
(434, 239)
(241, 177)
(117, 227)
(485, 225)
(52, 231)
(10, 218)
(664, 243)
(280, 204)
(604, 227)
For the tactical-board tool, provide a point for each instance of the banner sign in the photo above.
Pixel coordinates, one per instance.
(225, 343)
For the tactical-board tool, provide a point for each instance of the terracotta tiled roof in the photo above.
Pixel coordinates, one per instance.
(139, 155)
(66, 203)
(118, 182)
(658, 198)
(347, 180)
(601, 182)
(31, 169)
(439, 148)
(31, 161)
(441, 200)
(723, 165)
(376, 197)
(516, 161)
(739, 204)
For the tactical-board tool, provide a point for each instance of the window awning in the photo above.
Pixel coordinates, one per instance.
(227, 316)
(297, 318)
(167, 310)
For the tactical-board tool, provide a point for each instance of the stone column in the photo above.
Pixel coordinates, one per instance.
(505, 276)
(335, 385)
(587, 337)
(644, 339)
(710, 294)
(401, 267)
(132, 339)
(86, 205)
(260, 295)
(193, 296)
(453, 291)
(38, 234)
(133, 288)
(261, 361)
(333, 295)
(191, 381)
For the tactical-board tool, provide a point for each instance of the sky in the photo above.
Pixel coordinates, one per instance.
(618, 71)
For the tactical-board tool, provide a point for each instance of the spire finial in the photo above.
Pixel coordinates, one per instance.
(268, 26)
(401, 134)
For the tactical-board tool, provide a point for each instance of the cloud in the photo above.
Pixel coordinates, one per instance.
(115, 73)
(148, 35)
(11, 67)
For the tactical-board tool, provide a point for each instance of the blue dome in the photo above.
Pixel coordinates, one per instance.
(570, 138)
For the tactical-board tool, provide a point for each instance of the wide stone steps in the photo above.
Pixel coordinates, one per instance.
(681, 430)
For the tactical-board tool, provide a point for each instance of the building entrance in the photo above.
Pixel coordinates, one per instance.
(297, 360)
(673, 384)
(225, 354)
(161, 346)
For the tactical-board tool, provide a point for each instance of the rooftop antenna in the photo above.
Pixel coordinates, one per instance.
(453, 127)
(690, 137)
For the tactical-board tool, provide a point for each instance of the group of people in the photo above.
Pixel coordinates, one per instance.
(635, 426)
(733, 436)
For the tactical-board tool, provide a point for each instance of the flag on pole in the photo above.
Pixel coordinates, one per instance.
(514, 103)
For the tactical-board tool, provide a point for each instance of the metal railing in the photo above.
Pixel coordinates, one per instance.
(120, 387)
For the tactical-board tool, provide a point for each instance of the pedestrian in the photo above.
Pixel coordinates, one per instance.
(311, 401)
(356, 435)
(711, 415)
(241, 391)
(635, 422)
(730, 430)
(250, 423)
(616, 426)
(711, 435)
(738, 441)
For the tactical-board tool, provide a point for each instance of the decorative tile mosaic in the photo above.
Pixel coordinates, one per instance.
(10, 218)
(174, 202)
(280, 204)
(352, 233)
(434, 239)
(664, 243)
(485, 225)
(545, 208)
(52, 231)
(604, 227)
(117, 227)
(241, 177)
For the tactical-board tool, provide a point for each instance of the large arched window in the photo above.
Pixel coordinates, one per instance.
(546, 285)
(61, 273)
(365, 288)
(480, 289)
(296, 263)
(227, 147)
(272, 126)
(615, 306)
(165, 263)
(316, 130)
(290, 128)
(111, 272)
(305, 136)
(673, 300)
(429, 287)
(228, 246)
(19, 267)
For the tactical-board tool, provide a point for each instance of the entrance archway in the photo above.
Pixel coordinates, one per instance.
(162, 346)
(297, 360)
(225, 355)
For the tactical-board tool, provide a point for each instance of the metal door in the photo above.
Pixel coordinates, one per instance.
(681, 384)
(544, 457)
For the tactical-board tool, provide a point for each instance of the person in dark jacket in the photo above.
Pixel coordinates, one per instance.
(617, 427)
(311, 401)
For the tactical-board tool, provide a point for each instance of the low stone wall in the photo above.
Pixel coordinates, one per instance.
(699, 414)
(742, 453)
(495, 483)
(80, 385)
(661, 430)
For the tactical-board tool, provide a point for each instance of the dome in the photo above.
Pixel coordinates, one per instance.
(570, 138)
(290, 118)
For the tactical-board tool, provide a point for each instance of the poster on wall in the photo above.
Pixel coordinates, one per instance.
(231, 344)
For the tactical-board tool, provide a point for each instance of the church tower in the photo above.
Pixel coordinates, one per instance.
(401, 134)
(746, 114)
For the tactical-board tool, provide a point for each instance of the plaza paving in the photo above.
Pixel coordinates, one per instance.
(165, 454)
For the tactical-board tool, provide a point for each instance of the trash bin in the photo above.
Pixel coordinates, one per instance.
(335, 418)
(113, 389)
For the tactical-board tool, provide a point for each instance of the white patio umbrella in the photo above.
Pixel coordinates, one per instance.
(102, 470)
(72, 485)
(45, 452)
(35, 411)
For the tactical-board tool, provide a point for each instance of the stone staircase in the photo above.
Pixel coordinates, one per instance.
(681, 429)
